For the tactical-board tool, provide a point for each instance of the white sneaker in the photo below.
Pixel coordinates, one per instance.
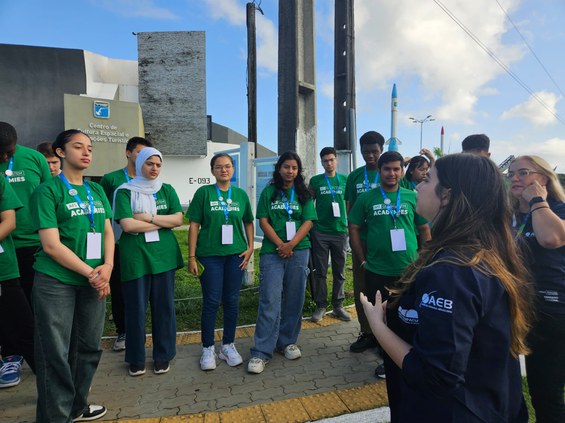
(292, 352)
(256, 365)
(230, 354)
(208, 359)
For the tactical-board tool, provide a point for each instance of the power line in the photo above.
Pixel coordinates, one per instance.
(531, 50)
(497, 60)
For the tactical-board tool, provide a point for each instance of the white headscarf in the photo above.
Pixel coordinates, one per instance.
(142, 188)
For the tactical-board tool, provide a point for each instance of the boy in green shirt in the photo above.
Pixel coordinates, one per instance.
(329, 235)
(359, 181)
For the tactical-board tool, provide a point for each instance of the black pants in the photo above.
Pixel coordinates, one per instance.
(546, 368)
(16, 322)
(118, 312)
(26, 259)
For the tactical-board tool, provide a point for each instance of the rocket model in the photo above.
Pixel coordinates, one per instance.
(393, 142)
(442, 137)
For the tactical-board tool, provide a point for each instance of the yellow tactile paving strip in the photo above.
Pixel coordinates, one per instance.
(297, 410)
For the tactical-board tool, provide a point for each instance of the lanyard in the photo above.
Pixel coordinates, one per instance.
(224, 204)
(8, 172)
(393, 213)
(286, 203)
(522, 226)
(414, 184)
(374, 184)
(82, 205)
(127, 176)
(332, 191)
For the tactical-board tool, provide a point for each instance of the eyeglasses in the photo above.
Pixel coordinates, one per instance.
(220, 167)
(522, 173)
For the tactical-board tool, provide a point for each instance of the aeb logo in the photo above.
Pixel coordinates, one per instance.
(101, 110)
(431, 300)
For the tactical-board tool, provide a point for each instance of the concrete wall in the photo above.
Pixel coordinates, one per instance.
(33, 81)
(172, 90)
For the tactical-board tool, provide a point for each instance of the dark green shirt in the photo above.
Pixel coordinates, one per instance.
(327, 223)
(205, 209)
(277, 215)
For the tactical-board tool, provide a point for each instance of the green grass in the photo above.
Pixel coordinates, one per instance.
(188, 301)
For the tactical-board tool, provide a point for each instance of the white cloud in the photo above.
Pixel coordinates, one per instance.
(229, 10)
(234, 12)
(533, 111)
(412, 38)
(137, 9)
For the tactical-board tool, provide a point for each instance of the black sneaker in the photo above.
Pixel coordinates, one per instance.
(136, 370)
(380, 371)
(364, 342)
(92, 412)
(161, 367)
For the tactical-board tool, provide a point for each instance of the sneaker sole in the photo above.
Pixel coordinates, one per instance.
(342, 318)
(138, 373)
(232, 364)
(206, 368)
(90, 419)
(162, 371)
(10, 384)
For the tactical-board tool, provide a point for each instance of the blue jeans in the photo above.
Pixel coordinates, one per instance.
(281, 298)
(69, 321)
(221, 281)
(159, 291)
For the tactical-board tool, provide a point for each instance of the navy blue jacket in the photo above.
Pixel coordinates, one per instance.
(459, 368)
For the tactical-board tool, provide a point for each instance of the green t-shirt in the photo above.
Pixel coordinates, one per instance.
(205, 208)
(8, 260)
(139, 258)
(327, 223)
(111, 181)
(278, 216)
(370, 211)
(356, 184)
(30, 168)
(405, 183)
(53, 207)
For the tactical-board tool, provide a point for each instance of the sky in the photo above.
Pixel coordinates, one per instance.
(481, 66)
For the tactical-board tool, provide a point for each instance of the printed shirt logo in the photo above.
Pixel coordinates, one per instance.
(408, 316)
(216, 206)
(324, 190)
(431, 300)
(17, 176)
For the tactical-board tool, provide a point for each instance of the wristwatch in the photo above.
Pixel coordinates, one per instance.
(536, 200)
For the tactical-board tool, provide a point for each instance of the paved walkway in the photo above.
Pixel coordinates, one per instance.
(327, 381)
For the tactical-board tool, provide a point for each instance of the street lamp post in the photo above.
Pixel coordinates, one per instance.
(421, 122)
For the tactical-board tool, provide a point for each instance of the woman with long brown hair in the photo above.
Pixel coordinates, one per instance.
(457, 322)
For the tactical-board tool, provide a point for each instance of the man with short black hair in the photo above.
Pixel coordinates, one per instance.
(329, 236)
(478, 144)
(359, 181)
(388, 216)
(110, 182)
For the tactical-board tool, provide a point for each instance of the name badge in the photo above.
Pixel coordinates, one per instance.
(335, 209)
(93, 246)
(398, 240)
(152, 236)
(227, 234)
(290, 230)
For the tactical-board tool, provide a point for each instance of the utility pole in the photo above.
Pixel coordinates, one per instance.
(345, 138)
(251, 76)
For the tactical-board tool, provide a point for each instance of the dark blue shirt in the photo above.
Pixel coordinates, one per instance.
(459, 368)
(548, 267)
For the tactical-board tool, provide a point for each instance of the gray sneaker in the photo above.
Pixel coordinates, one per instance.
(120, 342)
(318, 314)
(341, 314)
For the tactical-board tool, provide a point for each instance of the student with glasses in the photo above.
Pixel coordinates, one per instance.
(221, 238)
(539, 225)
